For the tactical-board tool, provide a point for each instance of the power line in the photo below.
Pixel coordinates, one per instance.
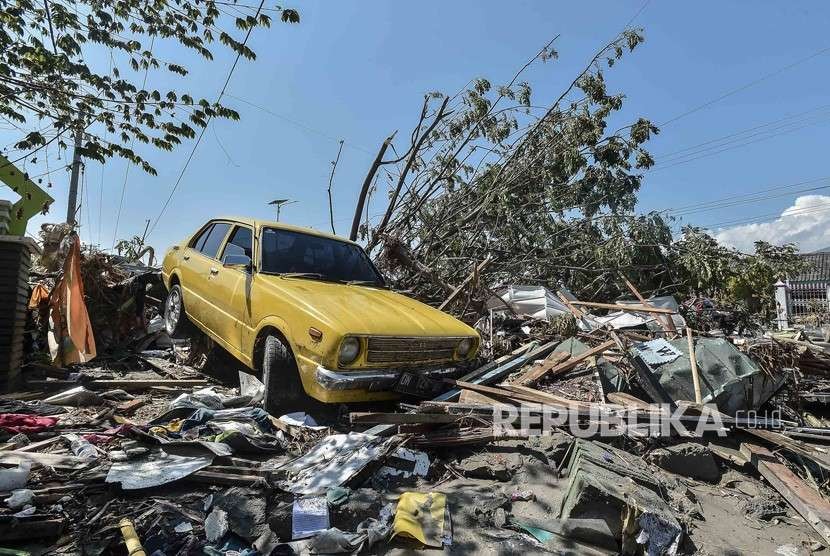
(737, 143)
(745, 86)
(207, 123)
(715, 202)
(770, 216)
(750, 200)
(636, 15)
(301, 125)
(129, 164)
(671, 154)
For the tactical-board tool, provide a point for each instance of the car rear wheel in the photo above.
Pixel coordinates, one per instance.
(283, 389)
(176, 323)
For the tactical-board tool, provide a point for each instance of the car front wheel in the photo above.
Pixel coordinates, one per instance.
(283, 389)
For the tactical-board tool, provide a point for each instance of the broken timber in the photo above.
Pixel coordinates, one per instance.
(127, 385)
(487, 374)
(805, 500)
(630, 308)
(535, 374)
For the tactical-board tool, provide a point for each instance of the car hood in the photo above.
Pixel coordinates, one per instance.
(365, 310)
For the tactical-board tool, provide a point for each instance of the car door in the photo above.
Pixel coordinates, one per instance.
(231, 289)
(202, 263)
(188, 275)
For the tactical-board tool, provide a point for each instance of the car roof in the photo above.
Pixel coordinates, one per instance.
(254, 223)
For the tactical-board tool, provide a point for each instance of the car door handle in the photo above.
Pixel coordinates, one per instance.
(214, 270)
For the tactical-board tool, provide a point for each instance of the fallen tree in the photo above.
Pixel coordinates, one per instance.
(548, 193)
(543, 194)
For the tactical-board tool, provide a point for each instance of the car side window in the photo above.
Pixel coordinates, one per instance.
(199, 241)
(242, 238)
(214, 239)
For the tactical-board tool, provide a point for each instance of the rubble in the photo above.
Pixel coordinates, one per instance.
(577, 433)
(687, 459)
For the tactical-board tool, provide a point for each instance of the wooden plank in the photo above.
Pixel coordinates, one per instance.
(803, 449)
(728, 454)
(230, 479)
(543, 367)
(693, 361)
(805, 500)
(15, 457)
(34, 446)
(32, 528)
(532, 398)
(468, 396)
(630, 308)
(471, 278)
(400, 418)
(487, 374)
(666, 322)
(577, 313)
(130, 406)
(535, 375)
(548, 398)
(126, 385)
(623, 398)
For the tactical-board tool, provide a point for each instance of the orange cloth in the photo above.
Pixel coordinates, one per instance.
(70, 332)
(39, 294)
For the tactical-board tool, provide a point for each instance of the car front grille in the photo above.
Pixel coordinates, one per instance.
(386, 349)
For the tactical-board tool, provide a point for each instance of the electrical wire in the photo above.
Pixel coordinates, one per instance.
(744, 87)
(202, 132)
(301, 125)
(713, 151)
(129, 164)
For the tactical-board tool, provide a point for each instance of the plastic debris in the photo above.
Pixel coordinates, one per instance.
(421, 516)
(19, 498)
(15, 477)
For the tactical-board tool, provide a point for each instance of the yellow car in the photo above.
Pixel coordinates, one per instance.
(307, 310)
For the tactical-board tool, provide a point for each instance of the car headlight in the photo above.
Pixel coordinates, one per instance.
(464, 347)
(349, 350)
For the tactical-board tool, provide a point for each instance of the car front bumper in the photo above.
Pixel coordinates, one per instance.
(374, 380)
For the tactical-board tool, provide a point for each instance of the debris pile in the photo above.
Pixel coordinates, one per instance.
(586, 428)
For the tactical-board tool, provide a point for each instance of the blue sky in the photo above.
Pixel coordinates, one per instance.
(358, 71)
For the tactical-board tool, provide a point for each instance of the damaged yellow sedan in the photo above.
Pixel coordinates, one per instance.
(307, 310)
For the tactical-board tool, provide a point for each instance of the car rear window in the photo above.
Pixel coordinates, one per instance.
(214, 239)
(199, 241)
(242, 238)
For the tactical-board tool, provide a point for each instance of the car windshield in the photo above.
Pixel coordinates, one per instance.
(320, 258)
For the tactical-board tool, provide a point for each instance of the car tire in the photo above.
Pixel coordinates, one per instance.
(176, 323)
(283, 389)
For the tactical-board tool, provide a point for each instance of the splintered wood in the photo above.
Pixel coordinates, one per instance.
(561, 363)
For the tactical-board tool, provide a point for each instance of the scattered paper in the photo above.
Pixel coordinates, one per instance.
(183, 527)
(300, 419)
(407, 463)
(309, 516)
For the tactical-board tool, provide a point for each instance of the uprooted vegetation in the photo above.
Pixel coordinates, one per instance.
(492, 189)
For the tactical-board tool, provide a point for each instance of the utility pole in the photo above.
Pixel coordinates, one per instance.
(71, 207)
(144, 235)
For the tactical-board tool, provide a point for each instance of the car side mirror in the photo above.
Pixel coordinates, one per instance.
(234, 260)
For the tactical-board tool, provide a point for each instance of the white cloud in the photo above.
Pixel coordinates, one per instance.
(806, 223)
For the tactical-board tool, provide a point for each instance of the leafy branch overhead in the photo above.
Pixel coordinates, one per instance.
(547, 190)
(50, 84)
